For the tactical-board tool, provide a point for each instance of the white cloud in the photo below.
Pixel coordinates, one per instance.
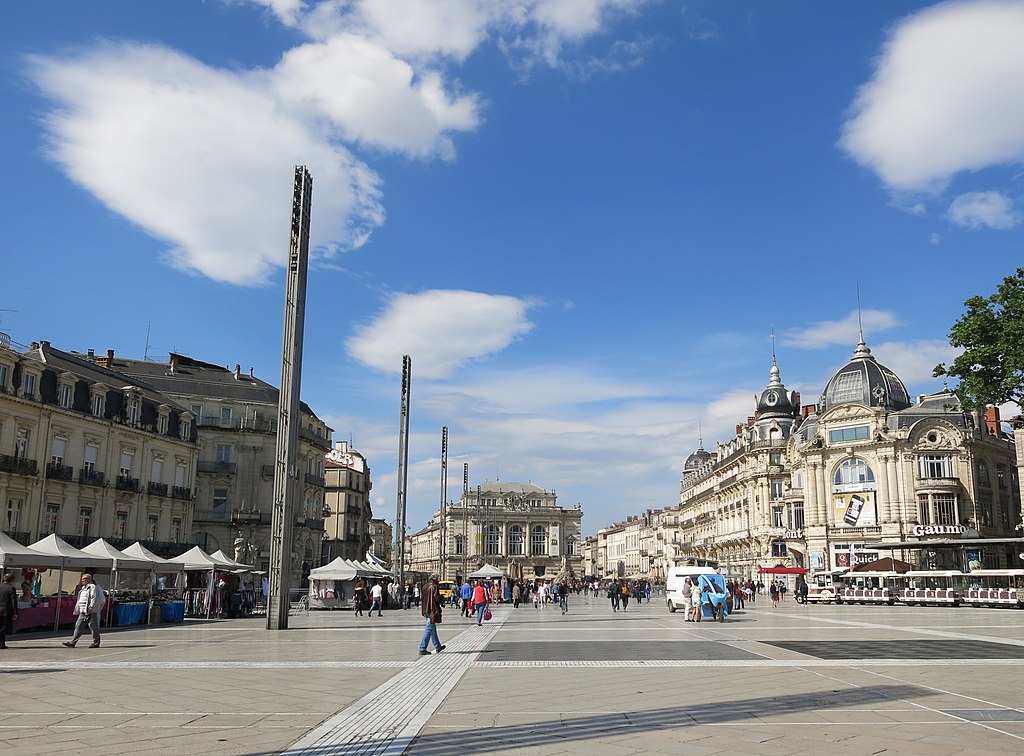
(978, 209)
(947, 96)
(370, 96)
(843, 332)
(440, 330)
(199, 158)
(914, 361)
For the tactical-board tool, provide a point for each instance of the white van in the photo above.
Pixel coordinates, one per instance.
(676, 579)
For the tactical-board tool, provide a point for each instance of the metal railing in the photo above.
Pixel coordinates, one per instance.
(57, 471)
(18, 465)
(90, 477)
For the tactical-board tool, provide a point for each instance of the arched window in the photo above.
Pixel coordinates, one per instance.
(854, 470)
(539, 541)
(492, 539)
(460, 545)
(515, 540)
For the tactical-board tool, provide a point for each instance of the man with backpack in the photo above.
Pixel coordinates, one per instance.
(88, 607)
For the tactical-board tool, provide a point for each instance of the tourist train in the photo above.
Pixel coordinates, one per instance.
(990, 588)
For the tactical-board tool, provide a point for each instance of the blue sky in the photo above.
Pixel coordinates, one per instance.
(581, 218)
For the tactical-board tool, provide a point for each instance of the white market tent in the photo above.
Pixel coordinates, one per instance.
(122, 561)
(235, 565)
(160, 564)
(13, 554)
(197, 560)
(70, 557)
(487, 572)
(337, 582)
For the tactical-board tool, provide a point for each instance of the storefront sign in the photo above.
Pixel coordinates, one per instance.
(795, 534)
(923, 530)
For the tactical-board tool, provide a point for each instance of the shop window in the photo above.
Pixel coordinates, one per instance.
(779, 549)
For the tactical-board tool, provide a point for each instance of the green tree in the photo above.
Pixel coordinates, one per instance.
(991, 333)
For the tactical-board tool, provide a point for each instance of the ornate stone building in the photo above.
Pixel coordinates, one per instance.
(517, 527)
(824, 485)
(236, 414)
(87, 451)
(347, 512)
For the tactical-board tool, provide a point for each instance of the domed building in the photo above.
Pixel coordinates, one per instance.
(864, 472)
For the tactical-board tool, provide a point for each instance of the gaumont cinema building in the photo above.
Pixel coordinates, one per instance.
(864, 473)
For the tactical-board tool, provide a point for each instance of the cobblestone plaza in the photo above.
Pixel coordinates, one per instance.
(790, 680)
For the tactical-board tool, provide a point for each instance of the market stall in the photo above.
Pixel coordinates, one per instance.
(240, 592)
(166, 601)
(33, 611)
(128, 590)
(332, 586)
(204, 593)
(70, 557)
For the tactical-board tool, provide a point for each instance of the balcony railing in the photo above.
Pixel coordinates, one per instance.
(57, 471)
(18, 465)
(221, 468)
(126, 483)
(88, 477)
(157, 489)
(181, 492)
(211, 515)
(315, 480)
(309, 522)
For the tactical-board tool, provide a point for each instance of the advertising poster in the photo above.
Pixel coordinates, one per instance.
(553, 545)
(855, 509)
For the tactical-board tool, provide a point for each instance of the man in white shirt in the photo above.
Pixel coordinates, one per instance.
(90, 601)
(376, 597)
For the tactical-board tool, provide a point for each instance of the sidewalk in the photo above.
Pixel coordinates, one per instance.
(796, 679)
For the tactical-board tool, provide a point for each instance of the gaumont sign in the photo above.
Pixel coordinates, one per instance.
(923, 530)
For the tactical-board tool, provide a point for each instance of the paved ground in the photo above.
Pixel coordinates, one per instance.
(791, 680)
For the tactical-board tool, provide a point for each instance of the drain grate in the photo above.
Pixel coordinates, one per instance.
(987, 715)
(907, 649)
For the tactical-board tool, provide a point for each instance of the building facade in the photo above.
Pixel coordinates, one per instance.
(381, 543)
(236, 416)
(86, 452)
(824, 486)
(517, 527)
(347, 512)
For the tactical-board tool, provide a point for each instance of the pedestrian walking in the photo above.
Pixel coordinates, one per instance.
(87, 607)
(625, 595)
(614, 593)
(8, 607)
(563, 597)
(360, 596)
(480, 601)
(517, 592)
(466, 594)
(376, 597)
(773, 594)
(430, 606)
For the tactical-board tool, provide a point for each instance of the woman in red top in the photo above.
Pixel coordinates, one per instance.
(480, 601)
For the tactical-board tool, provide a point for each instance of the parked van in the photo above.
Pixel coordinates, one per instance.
(674, 583)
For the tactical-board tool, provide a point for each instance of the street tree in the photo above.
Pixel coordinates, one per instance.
(990, 370)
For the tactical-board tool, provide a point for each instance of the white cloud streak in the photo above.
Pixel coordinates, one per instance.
(947, 96)
(440, 330)
(984, 210)
(843, 332)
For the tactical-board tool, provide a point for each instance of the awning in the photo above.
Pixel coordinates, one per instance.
(782, 571)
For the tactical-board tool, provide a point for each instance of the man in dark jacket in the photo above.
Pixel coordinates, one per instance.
(430, 606)
(8, 607)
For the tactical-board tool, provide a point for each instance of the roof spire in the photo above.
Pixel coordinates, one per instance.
(700, 435)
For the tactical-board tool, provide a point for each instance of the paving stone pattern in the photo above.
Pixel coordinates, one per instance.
(786, 680)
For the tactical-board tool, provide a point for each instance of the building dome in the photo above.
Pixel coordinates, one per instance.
(775, 401)
(696, 460)
(864, 381)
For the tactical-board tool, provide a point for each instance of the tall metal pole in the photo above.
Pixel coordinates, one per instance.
(465, 517)
(403, 469)
(442, 554)
(286, 473)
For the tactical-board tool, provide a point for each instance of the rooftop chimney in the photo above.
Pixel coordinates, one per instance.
(238, 371)
(992, 422)
(90, 354)
(807, 409)
(108, 361)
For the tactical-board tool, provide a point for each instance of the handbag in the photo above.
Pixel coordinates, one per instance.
(487, 614)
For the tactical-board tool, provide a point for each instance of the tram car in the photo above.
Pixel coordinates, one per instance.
(993, 588)
(821, 586)
(867, 588)
(936, 587)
